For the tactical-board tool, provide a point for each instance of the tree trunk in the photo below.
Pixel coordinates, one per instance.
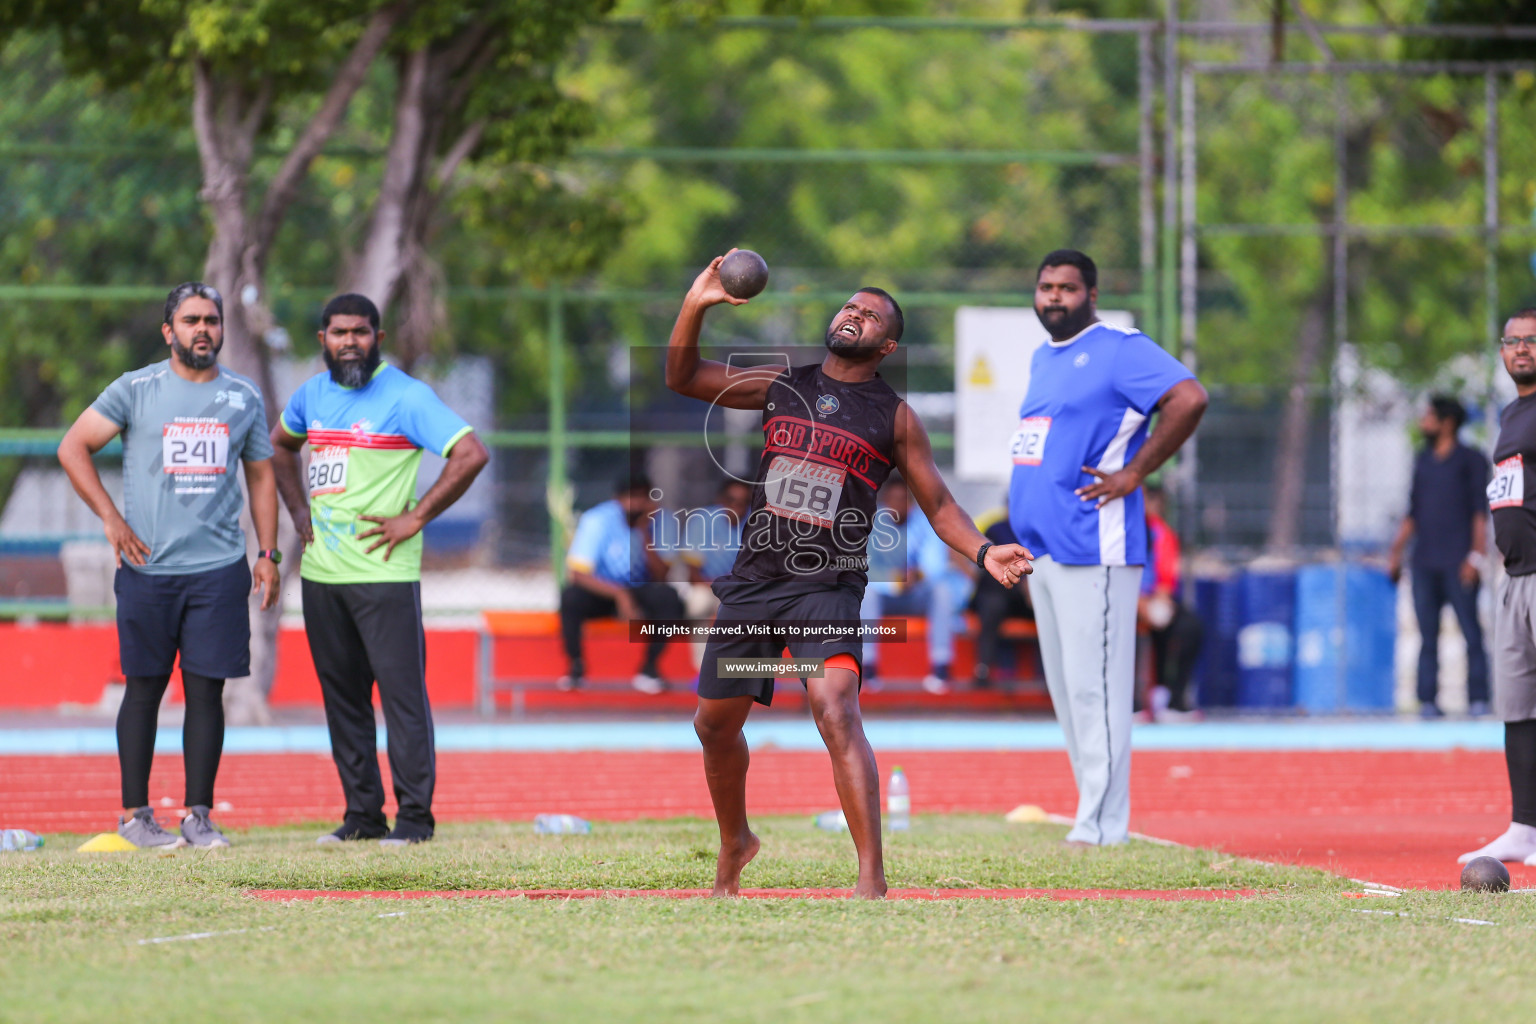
(1291, 451)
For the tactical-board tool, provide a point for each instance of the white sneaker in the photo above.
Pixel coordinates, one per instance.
(936, 686)
(1517, 846)
(648, 684)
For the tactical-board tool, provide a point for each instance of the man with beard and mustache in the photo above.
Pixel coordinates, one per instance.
(367, 423)
(187, 426)
(1446, 514)
(832, 433)
(1512, 499)
(615, 569)
(1079, 456)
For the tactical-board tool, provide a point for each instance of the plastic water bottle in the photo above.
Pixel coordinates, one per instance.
(561, 825)
(19, 839)
(898, 801)
(832, 821)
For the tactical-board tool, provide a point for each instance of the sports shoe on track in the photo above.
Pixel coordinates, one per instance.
(199, 831)
(646, 683)
(936, 685)
(1478, 709)
(348, 832)
(406, 834)
(568, 684)
(143, 831)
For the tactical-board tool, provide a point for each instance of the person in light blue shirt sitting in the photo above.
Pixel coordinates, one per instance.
(915, 578)
(615, 569)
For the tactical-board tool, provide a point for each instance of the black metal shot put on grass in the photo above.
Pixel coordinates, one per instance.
(1485, 874)
(743, 274)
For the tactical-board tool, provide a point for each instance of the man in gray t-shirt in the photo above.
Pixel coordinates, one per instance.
(188, 425)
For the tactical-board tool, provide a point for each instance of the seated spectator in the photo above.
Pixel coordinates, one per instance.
(994, 603)
(615, 570)
(1177, 632)
(710, 538)
(926, 582)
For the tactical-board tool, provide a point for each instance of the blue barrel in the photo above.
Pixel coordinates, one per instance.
(1265, 640)
(1346, 638)
(1217, 602)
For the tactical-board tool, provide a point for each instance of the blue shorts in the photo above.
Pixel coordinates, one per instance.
(204, 615)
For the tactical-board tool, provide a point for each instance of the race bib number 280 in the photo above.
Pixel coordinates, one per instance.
(328, 470)
(1507, 489)
(201, 448)
(797, 488)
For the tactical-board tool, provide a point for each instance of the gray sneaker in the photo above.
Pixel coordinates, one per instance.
(199, 831)
(143, 831)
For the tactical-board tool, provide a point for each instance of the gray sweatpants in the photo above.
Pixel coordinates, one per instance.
(1514, 648)
(1086, 617)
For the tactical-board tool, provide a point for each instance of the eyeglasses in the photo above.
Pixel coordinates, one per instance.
(1529, 340)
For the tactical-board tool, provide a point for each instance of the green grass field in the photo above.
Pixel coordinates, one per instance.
(71, 927)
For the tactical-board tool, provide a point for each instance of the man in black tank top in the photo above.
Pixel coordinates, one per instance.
(832, 434)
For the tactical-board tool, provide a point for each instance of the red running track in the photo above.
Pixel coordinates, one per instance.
(1165, 895)
(1398, 818)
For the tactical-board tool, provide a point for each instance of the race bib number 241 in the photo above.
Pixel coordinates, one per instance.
(198, 448)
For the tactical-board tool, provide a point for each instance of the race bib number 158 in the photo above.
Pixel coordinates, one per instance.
(1507, 489)
(804, 490)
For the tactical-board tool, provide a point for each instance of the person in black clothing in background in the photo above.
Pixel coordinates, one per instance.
(994, 604)
(1447, 513)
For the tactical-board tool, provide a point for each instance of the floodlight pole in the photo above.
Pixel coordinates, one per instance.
(557, 476)
(1491, 245)
(1144, 150)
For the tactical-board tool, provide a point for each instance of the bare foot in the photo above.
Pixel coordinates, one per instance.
(870, 890)
(728, 868)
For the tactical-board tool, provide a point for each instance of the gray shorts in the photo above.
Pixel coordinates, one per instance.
(1514, 649)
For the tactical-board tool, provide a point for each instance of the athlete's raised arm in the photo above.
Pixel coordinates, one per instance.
(1008, 563)
(707, 379)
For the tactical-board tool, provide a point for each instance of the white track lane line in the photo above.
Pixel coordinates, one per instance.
(192, 936)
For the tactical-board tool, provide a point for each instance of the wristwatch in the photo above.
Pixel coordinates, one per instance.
(275, 555)
(981, 555)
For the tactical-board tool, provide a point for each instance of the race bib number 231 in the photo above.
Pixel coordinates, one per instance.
(1507, 489)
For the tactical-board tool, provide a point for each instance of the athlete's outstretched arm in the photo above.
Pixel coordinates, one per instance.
(707, 379)
(89, 434)
(914, 457)
(1179, 412)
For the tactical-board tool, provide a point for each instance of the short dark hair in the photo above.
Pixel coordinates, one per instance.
(1447, 408)
(1071, 258)
(732, 481)
(633, 482)
(1528, 313)
(350, 304)
(898, 322)
(192, 289)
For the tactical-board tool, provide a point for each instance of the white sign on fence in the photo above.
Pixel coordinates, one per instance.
(993, 346)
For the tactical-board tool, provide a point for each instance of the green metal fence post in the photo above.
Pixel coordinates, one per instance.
(558, 499)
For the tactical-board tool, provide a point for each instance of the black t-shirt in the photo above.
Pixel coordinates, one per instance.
(828, 445)
(1447, 494)
(1512, 494)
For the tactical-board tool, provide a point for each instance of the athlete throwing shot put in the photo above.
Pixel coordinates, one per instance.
(833, 432)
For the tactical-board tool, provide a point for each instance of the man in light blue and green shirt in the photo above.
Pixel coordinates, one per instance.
(367, 423)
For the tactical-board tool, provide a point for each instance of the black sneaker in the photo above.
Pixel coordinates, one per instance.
(406, 833)
(350, 832)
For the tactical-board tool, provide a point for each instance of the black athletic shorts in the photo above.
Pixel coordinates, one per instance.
(204, 615)
(776, 602)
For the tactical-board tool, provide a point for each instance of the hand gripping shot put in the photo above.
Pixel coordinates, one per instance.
(832, 433)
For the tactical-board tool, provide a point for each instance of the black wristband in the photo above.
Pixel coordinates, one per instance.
(981, 555)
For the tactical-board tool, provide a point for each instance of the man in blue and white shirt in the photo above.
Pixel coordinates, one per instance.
(615, 568)
(1079, 456)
